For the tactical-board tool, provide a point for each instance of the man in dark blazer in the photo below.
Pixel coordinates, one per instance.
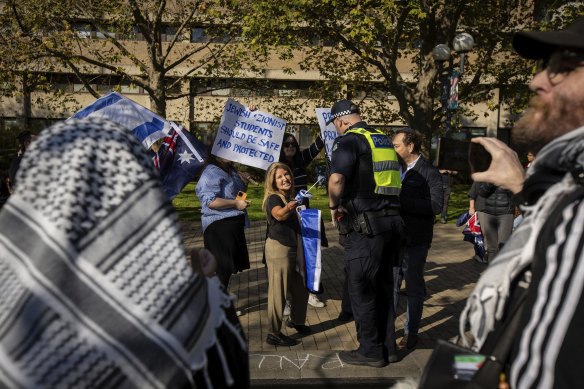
(421, 199)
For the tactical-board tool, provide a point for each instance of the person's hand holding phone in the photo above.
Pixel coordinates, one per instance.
(241, 201)
(505, 169)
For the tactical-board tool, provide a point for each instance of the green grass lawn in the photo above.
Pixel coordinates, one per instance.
(189, 208)
(458, 202)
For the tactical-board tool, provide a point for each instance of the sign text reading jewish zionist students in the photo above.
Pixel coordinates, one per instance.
(327, 133)
(253, 138)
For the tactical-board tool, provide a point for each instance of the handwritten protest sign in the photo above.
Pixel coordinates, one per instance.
(327, 133)
(251, 138)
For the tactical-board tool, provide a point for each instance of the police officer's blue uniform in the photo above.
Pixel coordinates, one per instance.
(369, 257)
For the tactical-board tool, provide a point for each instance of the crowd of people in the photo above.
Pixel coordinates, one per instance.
(81, 277)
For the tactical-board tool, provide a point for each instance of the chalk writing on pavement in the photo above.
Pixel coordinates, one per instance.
(328, 362)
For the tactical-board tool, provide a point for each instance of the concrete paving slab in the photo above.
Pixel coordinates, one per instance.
(450, 277)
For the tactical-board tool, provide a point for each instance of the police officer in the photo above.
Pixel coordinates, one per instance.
(363, 195)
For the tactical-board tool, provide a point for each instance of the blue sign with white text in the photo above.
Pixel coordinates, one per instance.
(381, 141)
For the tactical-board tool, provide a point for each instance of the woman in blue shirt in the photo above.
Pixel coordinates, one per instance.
(223, 216)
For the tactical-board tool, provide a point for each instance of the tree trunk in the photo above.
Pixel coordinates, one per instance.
(158, 104)
(27, 88)
(158, 93)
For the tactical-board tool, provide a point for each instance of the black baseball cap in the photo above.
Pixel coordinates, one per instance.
(342, 108)
(541, 44)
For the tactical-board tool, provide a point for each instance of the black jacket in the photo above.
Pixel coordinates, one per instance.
(421, 198)
(491, 199)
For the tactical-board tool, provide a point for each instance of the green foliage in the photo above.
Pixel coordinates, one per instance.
(145, 44)
(367, 40)
(459, 201)
(188, 206)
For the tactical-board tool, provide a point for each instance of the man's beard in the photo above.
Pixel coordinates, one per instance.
(543, 122)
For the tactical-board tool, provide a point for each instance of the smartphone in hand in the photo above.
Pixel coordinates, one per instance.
(241, 196)
(464, 156)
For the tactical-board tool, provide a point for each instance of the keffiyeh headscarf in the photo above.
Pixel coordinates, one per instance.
(550, 177)
(95, 288)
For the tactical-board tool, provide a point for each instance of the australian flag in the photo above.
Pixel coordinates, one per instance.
(180, 159)
(181, 156)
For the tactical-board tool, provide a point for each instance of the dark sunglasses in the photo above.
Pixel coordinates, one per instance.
(559, 64)
(289, 144)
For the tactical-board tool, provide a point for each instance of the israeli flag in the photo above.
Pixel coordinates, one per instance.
(147, 126)
(310, 231)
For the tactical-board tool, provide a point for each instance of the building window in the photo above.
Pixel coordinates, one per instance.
(168, 33)
(129, 88)
(466, 133)
(198, 35)
(79, 88)
(82, 30)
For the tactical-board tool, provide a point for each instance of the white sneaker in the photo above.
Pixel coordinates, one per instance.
(314, 301)
(287, 309)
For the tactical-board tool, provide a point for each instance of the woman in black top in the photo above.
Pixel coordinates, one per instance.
(281, 255)
(298, 161)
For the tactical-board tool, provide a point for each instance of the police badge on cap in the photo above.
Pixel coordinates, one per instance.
(342, 108)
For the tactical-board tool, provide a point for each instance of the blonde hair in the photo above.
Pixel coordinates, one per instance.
(270, 183)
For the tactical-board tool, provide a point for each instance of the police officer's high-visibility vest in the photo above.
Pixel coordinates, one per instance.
(386, 169)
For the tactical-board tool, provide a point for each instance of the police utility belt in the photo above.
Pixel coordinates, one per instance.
(365, 223)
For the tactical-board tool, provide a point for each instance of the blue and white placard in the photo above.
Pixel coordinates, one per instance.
(253, 138)
(327, 133)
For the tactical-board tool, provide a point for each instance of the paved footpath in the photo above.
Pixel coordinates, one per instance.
(450, 277)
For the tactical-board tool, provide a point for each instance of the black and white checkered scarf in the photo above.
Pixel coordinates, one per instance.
(552, 175)
(95, 288)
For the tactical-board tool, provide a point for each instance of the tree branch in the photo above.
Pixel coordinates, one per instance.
(141, 65)
(180, 30)
(141, 22)
(192, 52)
(81, 78)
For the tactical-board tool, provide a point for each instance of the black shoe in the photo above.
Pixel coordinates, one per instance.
(354, 358)
(392, 358)
(409, 341)
(300, 328)
(281, 340)
(345, 317)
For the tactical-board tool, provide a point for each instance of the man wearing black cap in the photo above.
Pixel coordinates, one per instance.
(528, 307)
(363, 195)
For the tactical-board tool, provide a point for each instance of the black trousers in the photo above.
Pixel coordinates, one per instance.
(346, 301)
(369, 263)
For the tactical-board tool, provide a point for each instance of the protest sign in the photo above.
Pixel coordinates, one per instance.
(253, 138)
(327, 133)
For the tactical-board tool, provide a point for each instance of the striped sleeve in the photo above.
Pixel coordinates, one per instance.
(551, 348)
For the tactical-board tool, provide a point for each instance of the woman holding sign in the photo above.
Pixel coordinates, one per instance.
(298, 161)
(281, 255)
(224, 215)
